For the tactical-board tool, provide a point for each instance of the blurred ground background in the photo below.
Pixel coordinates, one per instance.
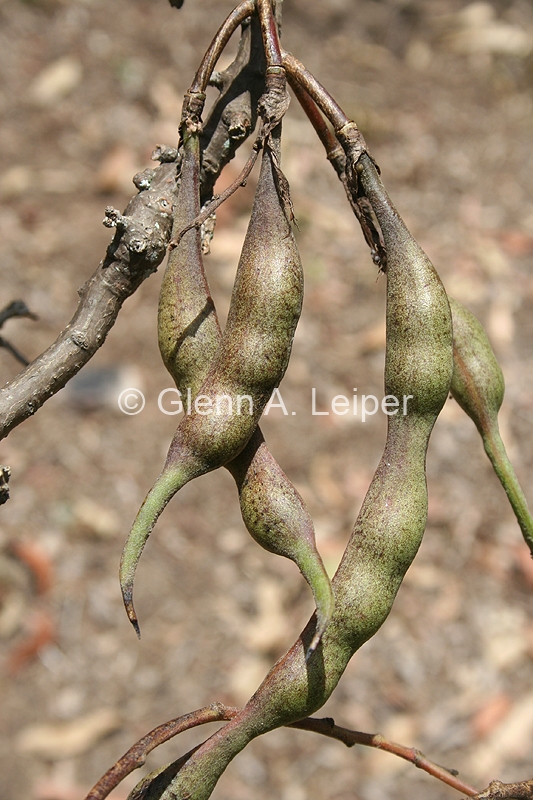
(443, 92)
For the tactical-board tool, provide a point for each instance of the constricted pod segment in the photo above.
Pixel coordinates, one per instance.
(389, 529)
(276, 516)
(478, 387)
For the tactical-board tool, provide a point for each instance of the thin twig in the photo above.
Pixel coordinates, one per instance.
(269, 31)
(220, 40)
(17, 355)
(336, 155)
(329, 107)
(346, 130)
(17, 308)
(327, 727)
(136, 755)
(334, 151)
(218, 199)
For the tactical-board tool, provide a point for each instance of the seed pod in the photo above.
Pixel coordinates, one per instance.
(249, 364)
(188, 329)
(391, 523)
(189, 335)
(277, 518)
(478, 387)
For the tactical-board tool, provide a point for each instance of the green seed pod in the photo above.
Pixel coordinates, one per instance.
(286, 528)
(256, 344)
(478, 387)
(188, 329)
(391, 523)
(277, 518)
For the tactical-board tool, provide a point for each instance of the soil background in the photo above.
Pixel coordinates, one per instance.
(443, 92)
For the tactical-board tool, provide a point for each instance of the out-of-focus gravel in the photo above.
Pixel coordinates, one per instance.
(443, 93)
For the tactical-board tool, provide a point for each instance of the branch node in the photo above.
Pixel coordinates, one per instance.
(143, 180)
(114, 219)
(352, 140)
(165, 154)
(79, 338)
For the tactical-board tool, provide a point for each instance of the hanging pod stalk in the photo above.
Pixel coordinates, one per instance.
(391, 523)
(478, 387)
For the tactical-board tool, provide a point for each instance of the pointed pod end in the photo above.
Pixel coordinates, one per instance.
(136, 627)
(127, 598)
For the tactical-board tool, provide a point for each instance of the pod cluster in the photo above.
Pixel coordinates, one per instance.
(391, 523)
(434, 346)
(235, 372)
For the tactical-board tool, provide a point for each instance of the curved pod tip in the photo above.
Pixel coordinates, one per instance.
(163, 490)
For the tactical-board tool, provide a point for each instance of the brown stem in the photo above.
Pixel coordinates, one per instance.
(327, 727)
(136, 755)
(269, 32)
(336, 155)
(220, 40)
(329, 107)
(346, 130)
(334, 151)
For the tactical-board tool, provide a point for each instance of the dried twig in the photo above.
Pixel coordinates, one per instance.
(327, 727)
(17, 355)
(136, 755)
(17, 308)
(218, 199)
